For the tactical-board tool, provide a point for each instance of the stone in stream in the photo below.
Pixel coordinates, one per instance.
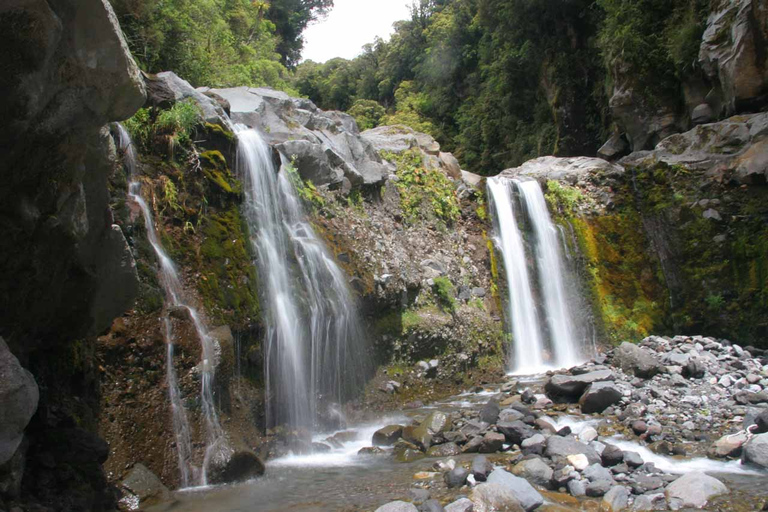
(563, 446)
(489, 497)
(633, 459)
(534, 445)
(616, 499)
(418, 435)
(612, 456)
(490, 412)
(371, 450)
(597, 473)
(418, 495)
(762, 423)
(535, 471)
(599, 396)
(444, 450)
(572, 386)
(492, 442)
(728, 445)
(143, 485)
(388, 435)
(481, 467)
(241, 465)
(598, 488)
(650, 502)
(693, 490)
(438, 423)
(509, 415)
(524, 492)
(577, 488)
(456, 477)
(636, 360)
(398, 506)
(407, 452)
(579, 461)
(515, 432)
(460, 505)
(431, 506)
(756, 451)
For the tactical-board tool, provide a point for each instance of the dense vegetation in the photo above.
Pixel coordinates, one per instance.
(501, 81)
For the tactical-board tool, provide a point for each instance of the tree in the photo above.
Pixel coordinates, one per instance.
(291, 17)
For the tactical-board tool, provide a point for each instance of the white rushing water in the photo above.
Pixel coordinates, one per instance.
(314, 343)
(169, 278)
(535, 349)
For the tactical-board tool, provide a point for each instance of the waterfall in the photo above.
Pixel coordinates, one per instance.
(169, 278)
(314, 343)
(559, 341)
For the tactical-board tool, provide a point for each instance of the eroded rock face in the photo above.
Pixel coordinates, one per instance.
(734, 54)
(18, 401)
(67, 72)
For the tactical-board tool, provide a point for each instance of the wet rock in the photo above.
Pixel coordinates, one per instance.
(481, 468)
(388, 435)
(612, 455)
(143, 488)
(598, 488)
(444, 450)
(371, 450)
(492, 442)
(639, 427)
(596, 473)
(18, 402)
(509, 415)
(460, 505)
(456, 477)
(577, 488)
(438, 423)
(633, 459)
(616, 499)
(418, 435)
(614, 148)
(431, 506)
(650, 502)
(729, 445)
(528, 497)
(573, 386)
(693, 490)
(417, 495)
(535, 471)
(239, 466)
(534, 445)
(455, 437)
(398, 506)
(490, 412)
(407, 452)
(489, 497)
(761, 422)
(636, 360)
(702, 114)
(515, 432)
(473, 427)
(564, 446)
(756, 451)
(579, 461)
(599, 396)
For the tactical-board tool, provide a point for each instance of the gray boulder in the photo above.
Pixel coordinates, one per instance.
(693, 490)
(490, 412)
(438, 423)
(492, 442)
(18, 401)
(460, 505)
(166, 88)
(456, 477)
(431, 506)
(444, 450)
(573, 386)
(387, 436)
(649, 502)
(418, 435)
(599, 396)
(143, 488)
(398, 506)
(491, 497)
(563, 446)
(636, 360)
(535, 471)
(756, 451)
(528, 497)
(515, 432)
(238, 466)
(616, 499)
(481, 468)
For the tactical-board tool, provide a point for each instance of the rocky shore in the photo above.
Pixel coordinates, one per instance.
(626, 431)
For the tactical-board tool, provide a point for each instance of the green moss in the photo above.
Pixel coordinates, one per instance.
(218, 130)
(445, 293)
(219, 179)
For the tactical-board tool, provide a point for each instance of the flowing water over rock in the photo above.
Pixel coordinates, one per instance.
(315, 345)
(560, 342)
(215, 441)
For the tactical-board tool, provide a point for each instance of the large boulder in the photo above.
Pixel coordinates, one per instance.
(142, 488)
(599, 396)
(236, 466)
(387, 436)
(693, 490)
(756, 451)
(636, 360)
(563, 446)
(524, 492)
(18, 401)
(573, 386)
(490, 497)
(438, 423)
(535, 471)
(733, 54)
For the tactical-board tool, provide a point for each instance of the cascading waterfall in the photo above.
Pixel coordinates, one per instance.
(561, 339)
(169, 278)
(314, 342)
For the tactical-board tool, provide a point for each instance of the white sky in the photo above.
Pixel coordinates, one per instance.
(350, 25)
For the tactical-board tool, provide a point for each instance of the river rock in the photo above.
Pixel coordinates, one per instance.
(636, 360)
(616, 499)
(573, 386)
(387, 436)
(563, 446)
(633, 459)
(444, 450)
(418, 435)
(693, 490)
(535, 471)
(528, 497)
(596, 472)
(756, 451)
(729, 445)
(460, 505)
(650, 502)
(239, 466)
(481, 468)
(490, 497)
(579, 461)
(438, 423)
(431, 506)
(612, 455)
(18, 401)
(143, 487)
(456, 477)
(515, 432)
(398, 506)
(490, 412)
(577, 488)
(599, 396)
(492, 442)
(406, 452)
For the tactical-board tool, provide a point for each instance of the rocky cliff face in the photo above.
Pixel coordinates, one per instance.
(674, 237)
(65, 269)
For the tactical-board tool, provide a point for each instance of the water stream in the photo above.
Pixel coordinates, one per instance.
(314, 350)
(540, 305)
(174, 292)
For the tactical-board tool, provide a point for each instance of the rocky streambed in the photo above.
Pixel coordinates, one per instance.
(669, 424)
